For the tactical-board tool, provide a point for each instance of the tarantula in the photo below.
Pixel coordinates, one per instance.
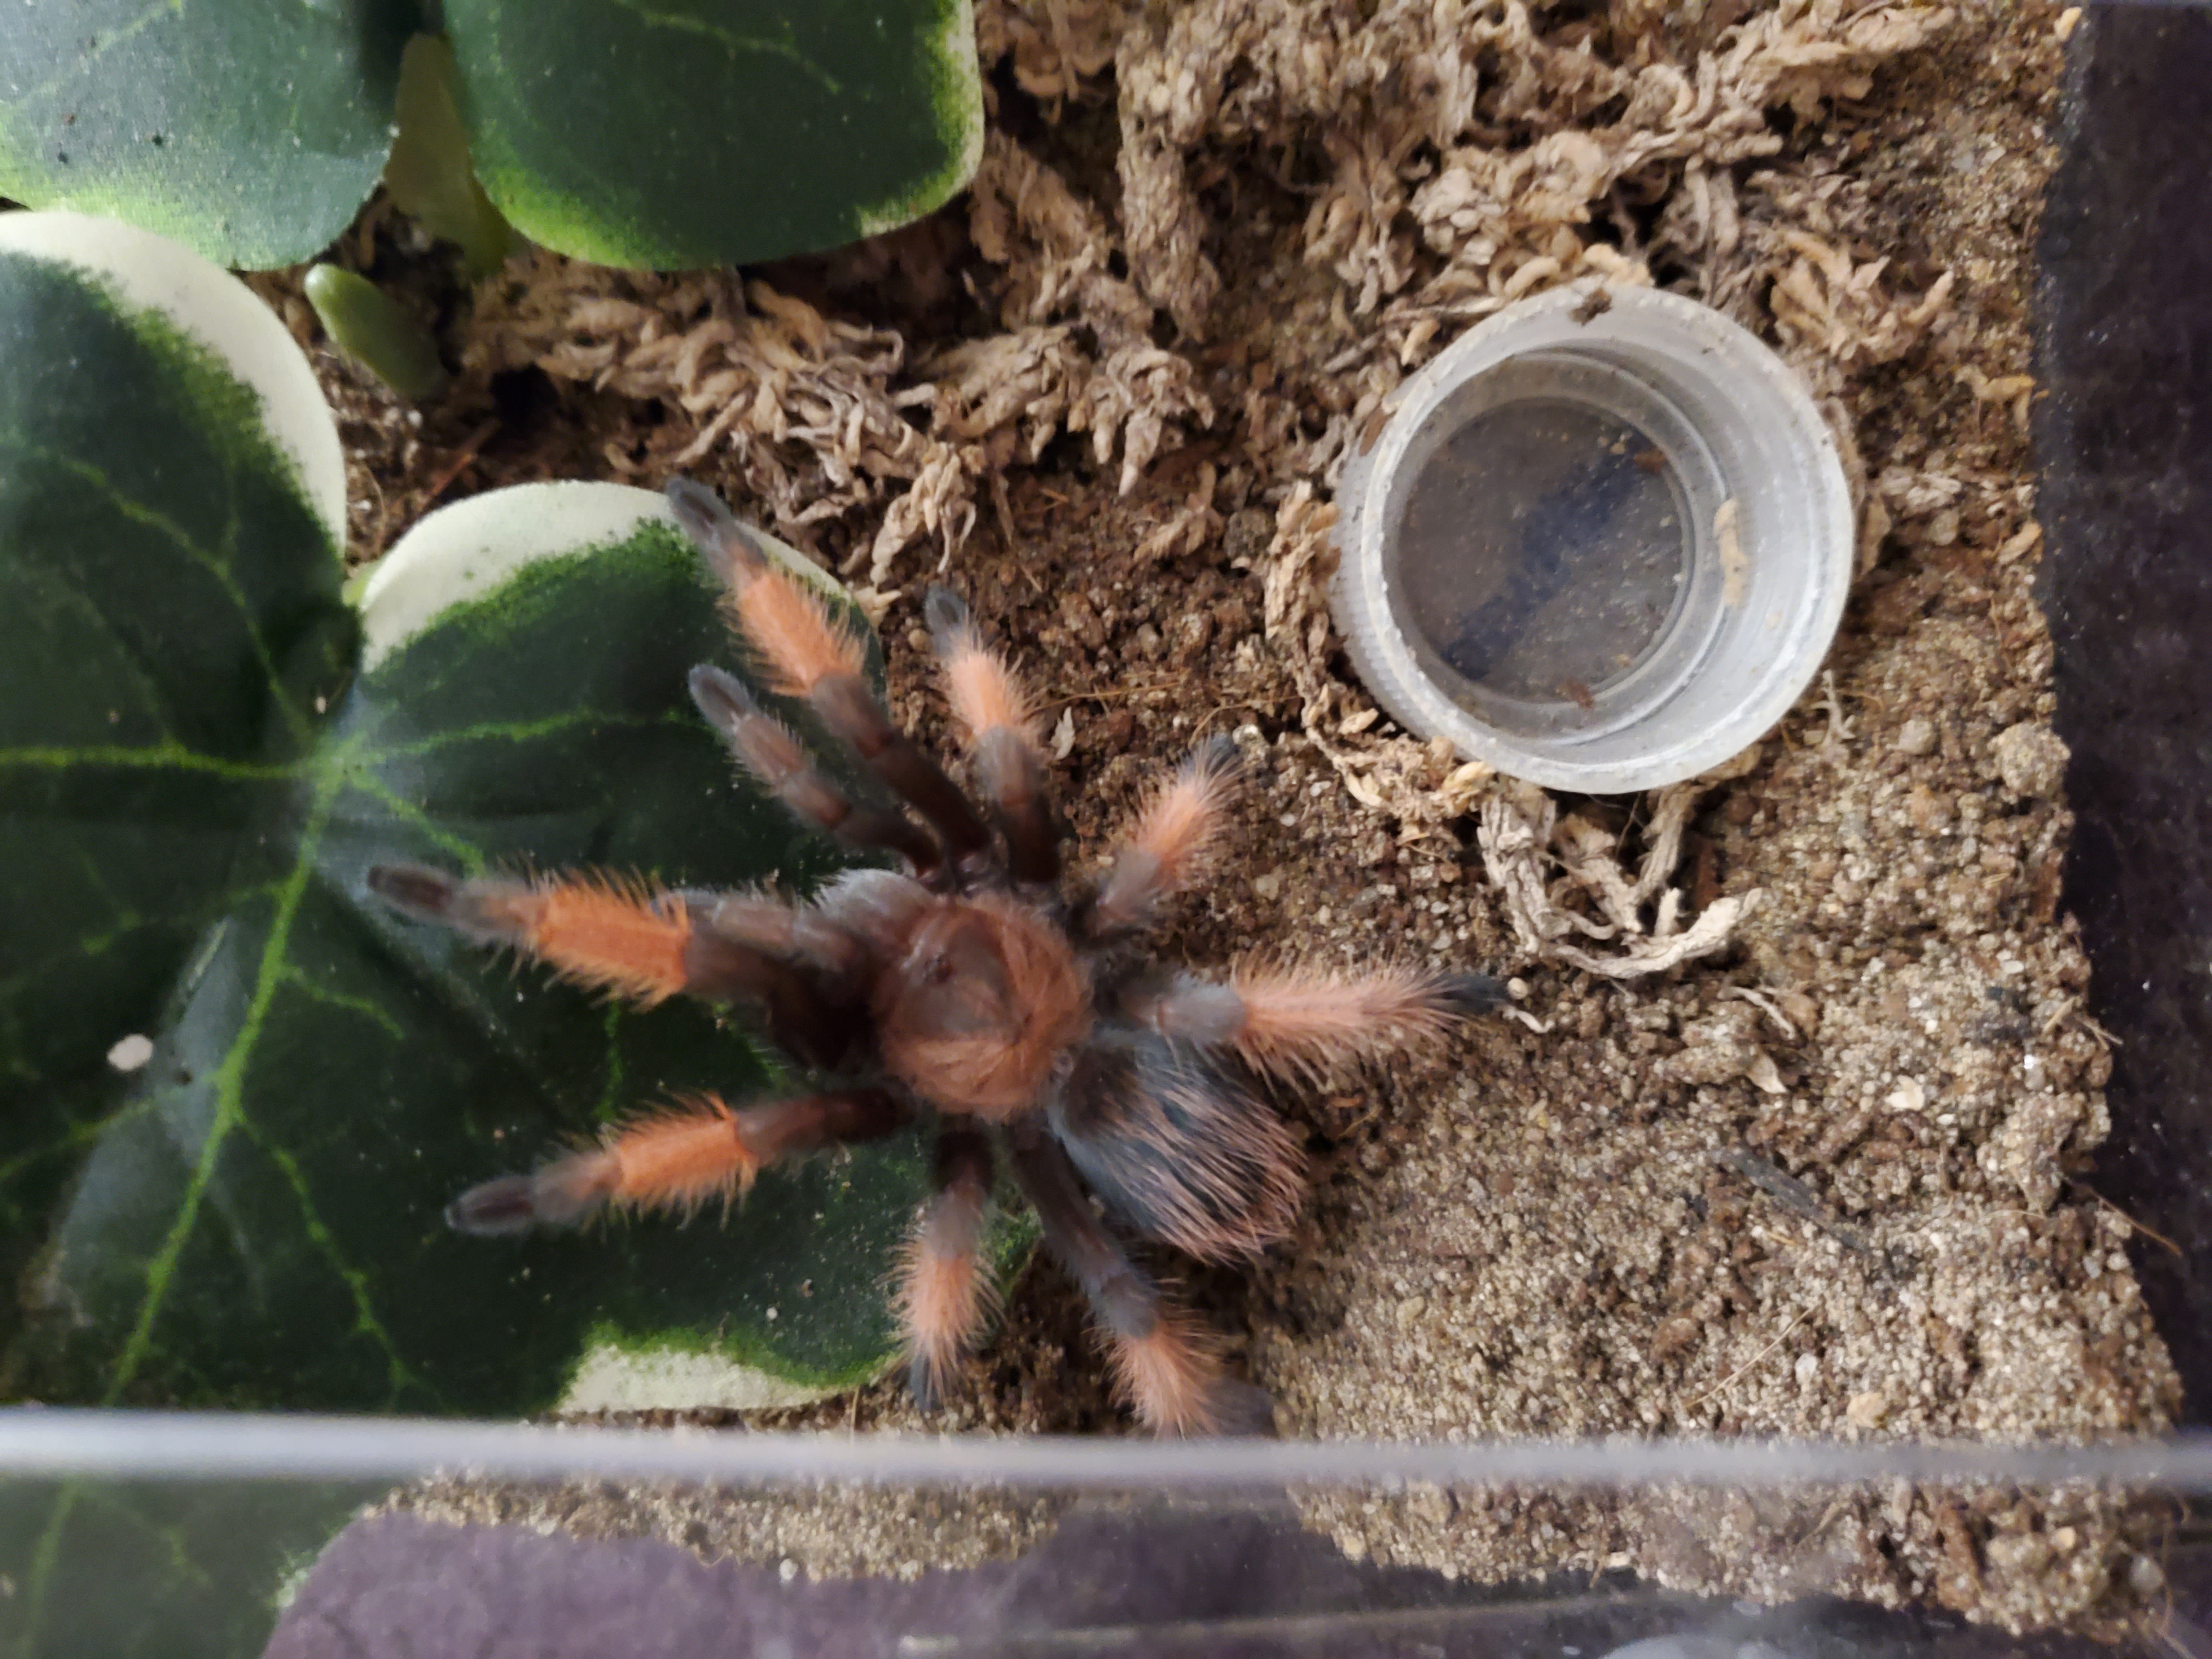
(976, 986)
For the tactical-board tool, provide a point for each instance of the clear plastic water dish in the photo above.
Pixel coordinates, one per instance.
(1602, 544)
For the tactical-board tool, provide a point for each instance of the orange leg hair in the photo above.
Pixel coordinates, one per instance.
(676, 1159)
(1168, 844)
(612, 935)
(771, 753)
(809, 655)
(785, 619)
(946, 1296)
(1163, 1360)
(993, 708)
(1310, 1023)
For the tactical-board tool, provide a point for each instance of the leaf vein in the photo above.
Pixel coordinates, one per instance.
(397, 1373)
(531, 731)
(229, 1081)
(151, 518)
(733, 42)
(307, 986)
(101, 45)
(168, 757)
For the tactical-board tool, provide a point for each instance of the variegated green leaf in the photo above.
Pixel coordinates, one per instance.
(706, 132)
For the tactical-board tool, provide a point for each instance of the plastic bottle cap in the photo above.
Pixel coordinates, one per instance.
(1603, 542)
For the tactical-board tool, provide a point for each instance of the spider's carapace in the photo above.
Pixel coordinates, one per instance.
(978, 987)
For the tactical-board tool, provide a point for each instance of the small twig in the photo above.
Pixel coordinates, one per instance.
(2155, 1237)
(1765, 1004)
(2072, 1009)
(1719, 1388)
(1116, 694)
(453, 469)
(1840, 723)
(1793, 1195)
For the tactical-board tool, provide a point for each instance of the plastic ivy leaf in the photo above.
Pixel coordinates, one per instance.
(707, 133)
(235, 1091)
(250, 132)
(720, 131)
(170, 1569)
(428, 171)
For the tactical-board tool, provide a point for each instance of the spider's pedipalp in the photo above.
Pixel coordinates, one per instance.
(1168, 845)
(1171, 1374)
(772, 753)
(720, 965)
(811, 655)
(823, 946)
(676, 1159)
(852, 710)
(946, 1296)
(779, 614)
(1179, 1147)
(994, 709)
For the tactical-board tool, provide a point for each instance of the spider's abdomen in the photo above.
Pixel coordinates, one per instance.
(976, 1014)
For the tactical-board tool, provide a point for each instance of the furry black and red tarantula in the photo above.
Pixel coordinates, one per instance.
(978, 986)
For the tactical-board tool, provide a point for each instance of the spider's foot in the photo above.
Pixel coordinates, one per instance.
(1468, 994)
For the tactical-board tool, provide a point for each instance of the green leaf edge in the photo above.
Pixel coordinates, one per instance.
(590, 231)
(214, 329)
(956, 81)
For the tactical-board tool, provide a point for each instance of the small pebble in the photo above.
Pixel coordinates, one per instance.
(130, 1053)
(2031, 760)
(1866, 1410)
(1916, 736)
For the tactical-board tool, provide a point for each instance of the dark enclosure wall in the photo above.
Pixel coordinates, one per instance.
(2124, 435)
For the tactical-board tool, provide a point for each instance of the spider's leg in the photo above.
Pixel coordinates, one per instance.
(1178, 1146)
(945, 1295)
(615, 936)
(675, 1160)
(1167, 847)
(1306, 1022)
(1161, 1359)
(994, 709)
(771, 751)
(809, 655)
